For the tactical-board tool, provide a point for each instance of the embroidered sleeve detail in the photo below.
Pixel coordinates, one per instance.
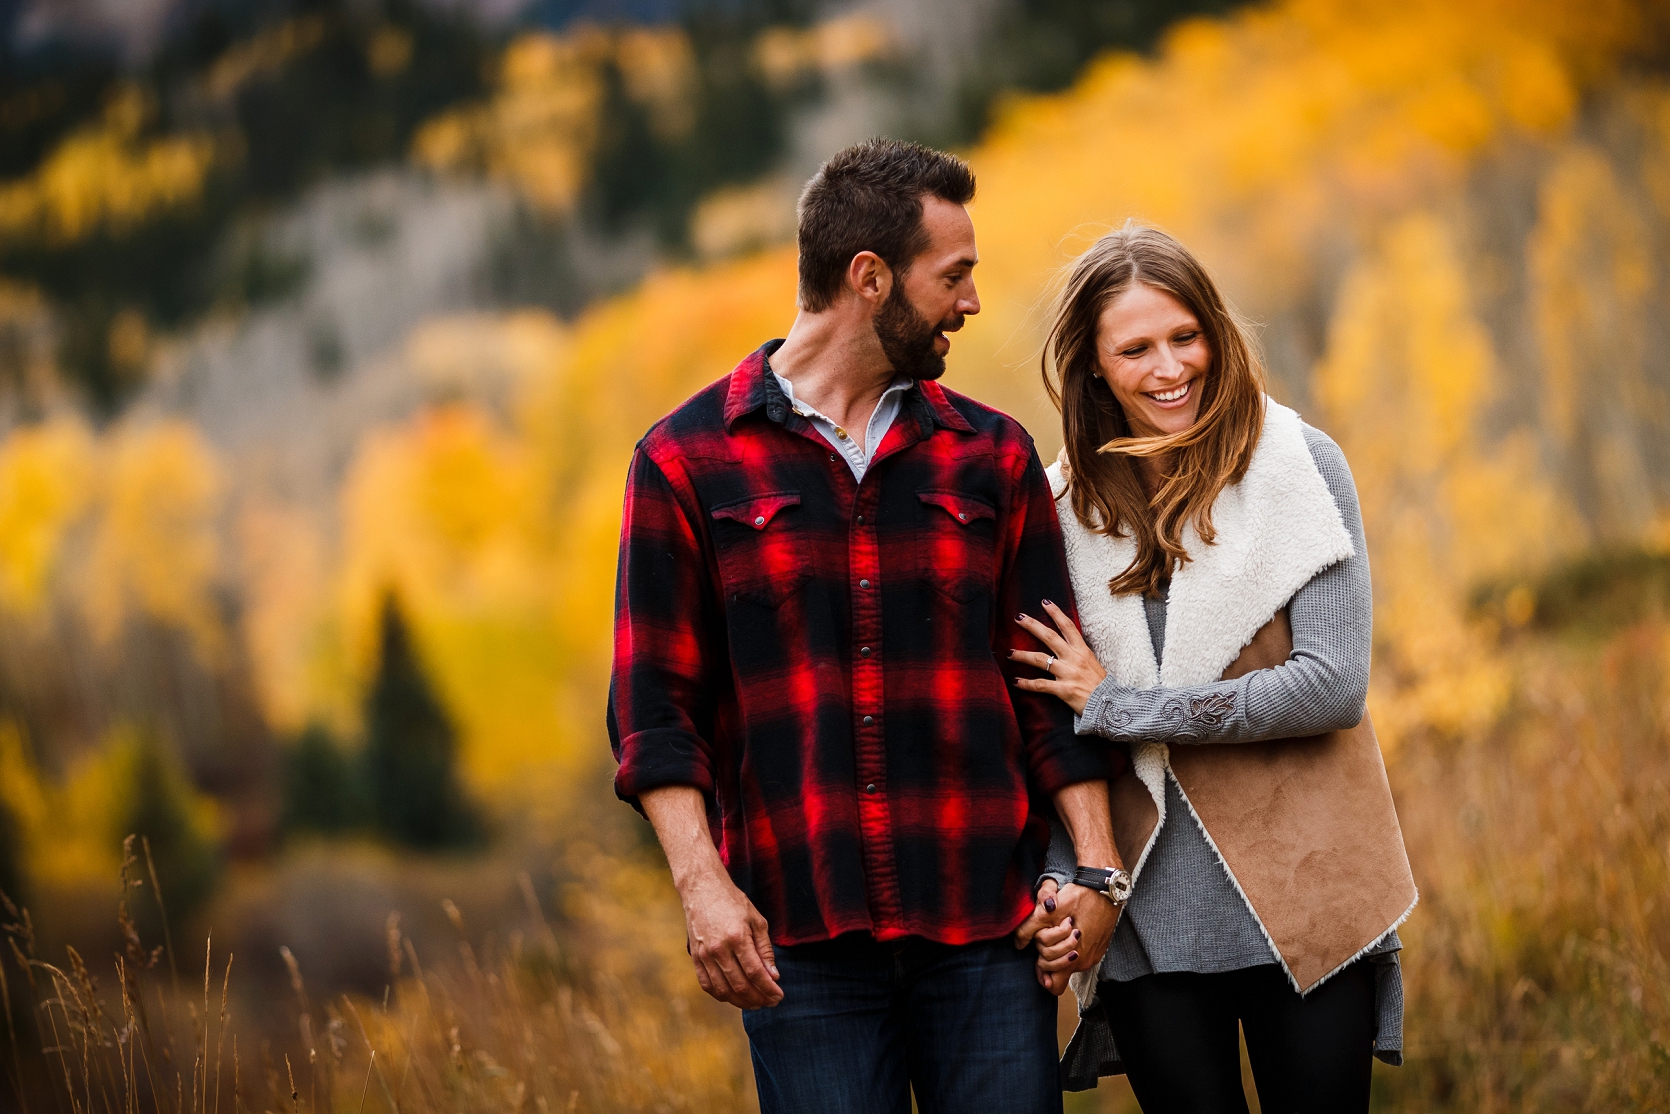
(1195, 717)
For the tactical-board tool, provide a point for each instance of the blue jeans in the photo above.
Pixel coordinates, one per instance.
(862, 1024)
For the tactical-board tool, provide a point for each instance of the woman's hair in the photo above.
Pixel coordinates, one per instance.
(1101, 450)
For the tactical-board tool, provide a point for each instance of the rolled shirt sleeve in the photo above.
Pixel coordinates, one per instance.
(660, 696)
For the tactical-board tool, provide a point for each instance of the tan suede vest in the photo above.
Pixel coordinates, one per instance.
(1306, 827)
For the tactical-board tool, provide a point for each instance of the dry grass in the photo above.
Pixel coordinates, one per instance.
(1537, 969)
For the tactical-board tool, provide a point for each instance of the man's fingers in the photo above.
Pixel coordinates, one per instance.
(754, 969)
(762, 944)
(709, 979)
(1029, 928)
(725, 959)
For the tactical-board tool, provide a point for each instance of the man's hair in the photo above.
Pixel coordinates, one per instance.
(869, 198)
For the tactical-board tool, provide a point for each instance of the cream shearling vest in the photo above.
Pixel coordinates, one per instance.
(1305, 828)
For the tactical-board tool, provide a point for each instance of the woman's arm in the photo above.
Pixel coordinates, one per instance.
(1321, 687)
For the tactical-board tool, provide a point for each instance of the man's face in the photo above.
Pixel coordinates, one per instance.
(932, 298)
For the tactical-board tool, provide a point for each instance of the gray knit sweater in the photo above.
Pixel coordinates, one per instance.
(1185, 914)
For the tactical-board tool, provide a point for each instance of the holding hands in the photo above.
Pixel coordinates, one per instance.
(1073, 669)
(1071, 927)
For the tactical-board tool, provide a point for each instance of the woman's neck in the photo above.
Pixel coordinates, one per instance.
(1152, 471)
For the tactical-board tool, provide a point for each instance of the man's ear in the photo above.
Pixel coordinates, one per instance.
(869, 277)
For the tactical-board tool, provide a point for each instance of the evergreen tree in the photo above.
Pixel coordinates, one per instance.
(411, 750)
(322, 788)
(158, 804)
(11, 871)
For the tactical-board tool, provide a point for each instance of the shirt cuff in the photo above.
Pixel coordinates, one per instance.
(658, 758)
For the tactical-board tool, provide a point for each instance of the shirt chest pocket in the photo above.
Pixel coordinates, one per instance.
(958, 543)
(761, 553)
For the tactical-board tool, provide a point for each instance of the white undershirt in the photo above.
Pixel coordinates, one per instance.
(856, 454)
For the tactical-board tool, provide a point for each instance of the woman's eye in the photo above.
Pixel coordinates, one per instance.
(1187, 338)
(1133, 353)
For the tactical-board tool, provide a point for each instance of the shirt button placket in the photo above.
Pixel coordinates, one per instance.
(870, 751)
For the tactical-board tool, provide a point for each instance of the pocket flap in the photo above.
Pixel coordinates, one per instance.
(963, 508)
(757, 510)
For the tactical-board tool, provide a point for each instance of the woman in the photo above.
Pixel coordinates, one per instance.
(1218, 560)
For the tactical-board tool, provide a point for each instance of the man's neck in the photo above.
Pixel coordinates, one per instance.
(837, 368)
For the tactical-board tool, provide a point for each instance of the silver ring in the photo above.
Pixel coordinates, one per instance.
(1049, 666)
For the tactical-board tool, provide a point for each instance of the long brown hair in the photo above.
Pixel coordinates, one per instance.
(1101, 450)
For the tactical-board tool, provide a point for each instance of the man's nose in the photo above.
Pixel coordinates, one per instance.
(969, 303)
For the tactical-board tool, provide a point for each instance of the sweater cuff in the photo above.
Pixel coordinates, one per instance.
(1089, 721)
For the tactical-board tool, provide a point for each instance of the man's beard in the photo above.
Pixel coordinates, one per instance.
(907, 338)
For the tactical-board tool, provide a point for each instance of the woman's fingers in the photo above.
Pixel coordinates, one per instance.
(1045, 634)
(1033, 658)
(1062, 963)
(1069, 629)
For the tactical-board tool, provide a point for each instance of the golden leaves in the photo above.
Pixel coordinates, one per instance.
(105, 178)
(540, 127)
(155, 546)
(45, 484)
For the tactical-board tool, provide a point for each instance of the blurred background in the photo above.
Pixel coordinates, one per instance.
(326, 331)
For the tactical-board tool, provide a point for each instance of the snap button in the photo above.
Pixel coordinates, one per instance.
(869, 721)
(760, 521)
(861, 520)
(962, 516)
(863, 583)
(863, 651)
(870, 788)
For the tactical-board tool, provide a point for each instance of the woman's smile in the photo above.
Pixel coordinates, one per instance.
(1172, 396)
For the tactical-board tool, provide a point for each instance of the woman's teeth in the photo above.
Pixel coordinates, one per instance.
(1169, 396)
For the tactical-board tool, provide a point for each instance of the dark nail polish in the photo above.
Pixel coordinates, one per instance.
(1077, 934)
(1049, 905)
(1047, 603)
(1018, 618)
(1072, 957)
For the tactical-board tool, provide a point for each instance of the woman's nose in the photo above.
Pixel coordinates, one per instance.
(1168, 366)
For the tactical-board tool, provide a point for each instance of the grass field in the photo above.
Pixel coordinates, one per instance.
(1537, 964)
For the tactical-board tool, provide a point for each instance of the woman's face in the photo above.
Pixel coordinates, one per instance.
(1154, 356)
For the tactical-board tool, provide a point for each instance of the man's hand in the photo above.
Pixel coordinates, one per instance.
(1071, 928)
(728, 938)
(729, 943)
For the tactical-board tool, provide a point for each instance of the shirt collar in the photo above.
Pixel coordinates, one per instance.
(753, 387)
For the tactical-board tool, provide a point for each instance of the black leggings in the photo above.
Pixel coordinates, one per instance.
(1177, 1035)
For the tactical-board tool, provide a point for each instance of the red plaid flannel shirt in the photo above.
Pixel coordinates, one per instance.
(827, 661)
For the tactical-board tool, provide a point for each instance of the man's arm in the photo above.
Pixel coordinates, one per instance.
(1034, 569)
(728, 938)
(660, 717)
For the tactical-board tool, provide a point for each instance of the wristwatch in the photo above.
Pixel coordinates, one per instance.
(1109, 880)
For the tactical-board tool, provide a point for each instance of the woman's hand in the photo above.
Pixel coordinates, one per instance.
(1073, 670)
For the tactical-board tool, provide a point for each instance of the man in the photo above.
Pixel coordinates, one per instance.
(822, 561)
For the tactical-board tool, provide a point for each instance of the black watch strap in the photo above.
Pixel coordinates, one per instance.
(1109, 880)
